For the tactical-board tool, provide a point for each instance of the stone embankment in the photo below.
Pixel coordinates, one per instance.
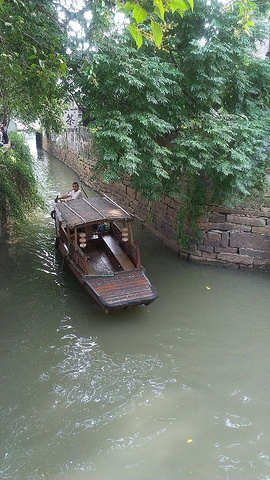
(235, 237)
(238, 237)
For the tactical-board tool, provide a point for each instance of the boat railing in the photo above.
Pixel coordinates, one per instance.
(79, 257)
(63, 234)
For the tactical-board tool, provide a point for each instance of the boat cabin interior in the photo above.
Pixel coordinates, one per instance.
(101, 248)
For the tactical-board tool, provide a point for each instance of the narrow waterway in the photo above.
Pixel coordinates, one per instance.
(173, 391)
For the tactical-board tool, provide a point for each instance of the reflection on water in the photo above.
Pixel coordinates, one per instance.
(172, 391)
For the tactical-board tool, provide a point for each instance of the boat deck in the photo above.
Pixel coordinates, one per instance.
(98, 263)
(122, 289)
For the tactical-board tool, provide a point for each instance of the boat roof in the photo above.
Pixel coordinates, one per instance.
(90, 210)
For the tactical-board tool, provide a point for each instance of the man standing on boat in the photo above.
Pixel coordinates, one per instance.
(73, 194)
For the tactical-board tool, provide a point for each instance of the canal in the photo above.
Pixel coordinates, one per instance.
(173, 391)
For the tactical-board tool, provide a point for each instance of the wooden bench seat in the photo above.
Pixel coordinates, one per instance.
(117, 251)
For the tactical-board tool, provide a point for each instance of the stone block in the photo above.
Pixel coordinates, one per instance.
(217, 218)
(235, 258)
(203, 219)
(254, 253)
(126, 179)
(244, 220)
(171, 221)
(130, 191)
(208, 261)
(204, 226)
(206, 248)
(193, 247)
(211, 243)
(223, 226)
(196, 259)
(261, 230)
(122, 190)
(170, 212)
(250, 240)
(265, 211)
(192, 250)
(170, 202)
(160, 209)
(226, 249)
(261, 261)
(224, 239)
(221, 209)
(183, 255)
(245, 228)
(215, 236)
(209, 255)
(237, 210)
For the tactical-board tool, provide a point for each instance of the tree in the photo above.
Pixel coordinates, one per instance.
(32, 60)
(183, 111)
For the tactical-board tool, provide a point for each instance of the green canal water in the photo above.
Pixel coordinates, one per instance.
(174, 391)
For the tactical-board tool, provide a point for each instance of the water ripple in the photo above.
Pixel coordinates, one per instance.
(237, 422)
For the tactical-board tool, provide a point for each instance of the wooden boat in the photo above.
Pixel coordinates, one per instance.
(95, 239)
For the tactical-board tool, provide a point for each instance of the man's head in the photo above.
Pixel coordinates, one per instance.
(75, 186)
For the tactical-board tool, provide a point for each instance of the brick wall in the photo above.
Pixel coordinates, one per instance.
(236, 237)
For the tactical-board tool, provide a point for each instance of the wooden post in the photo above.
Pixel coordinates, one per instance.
(68, 233)
(76, 239)
(138, 264)
(130, 232)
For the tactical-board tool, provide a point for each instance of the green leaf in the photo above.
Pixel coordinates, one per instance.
(191, 3)
(129, 6)
(159, 9)
(118, 5)
(179, 5)
(136, 34)
(139, 13)
(157, 33)
(63, 66)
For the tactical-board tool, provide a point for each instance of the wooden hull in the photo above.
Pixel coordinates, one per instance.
(115, 290)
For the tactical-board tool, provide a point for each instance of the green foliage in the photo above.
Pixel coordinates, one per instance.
(190, 118)
(18, 186)
(195, 111)
(192, 206)
(131, 96)
(229, 149)
(140, 13)
(32, 60)
(152, 12)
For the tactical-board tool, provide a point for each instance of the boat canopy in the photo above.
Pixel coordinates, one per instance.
(78, 213)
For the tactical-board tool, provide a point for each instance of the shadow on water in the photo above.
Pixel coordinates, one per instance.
(175, 390)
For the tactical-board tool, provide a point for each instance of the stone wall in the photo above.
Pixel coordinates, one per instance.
(236, 237)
